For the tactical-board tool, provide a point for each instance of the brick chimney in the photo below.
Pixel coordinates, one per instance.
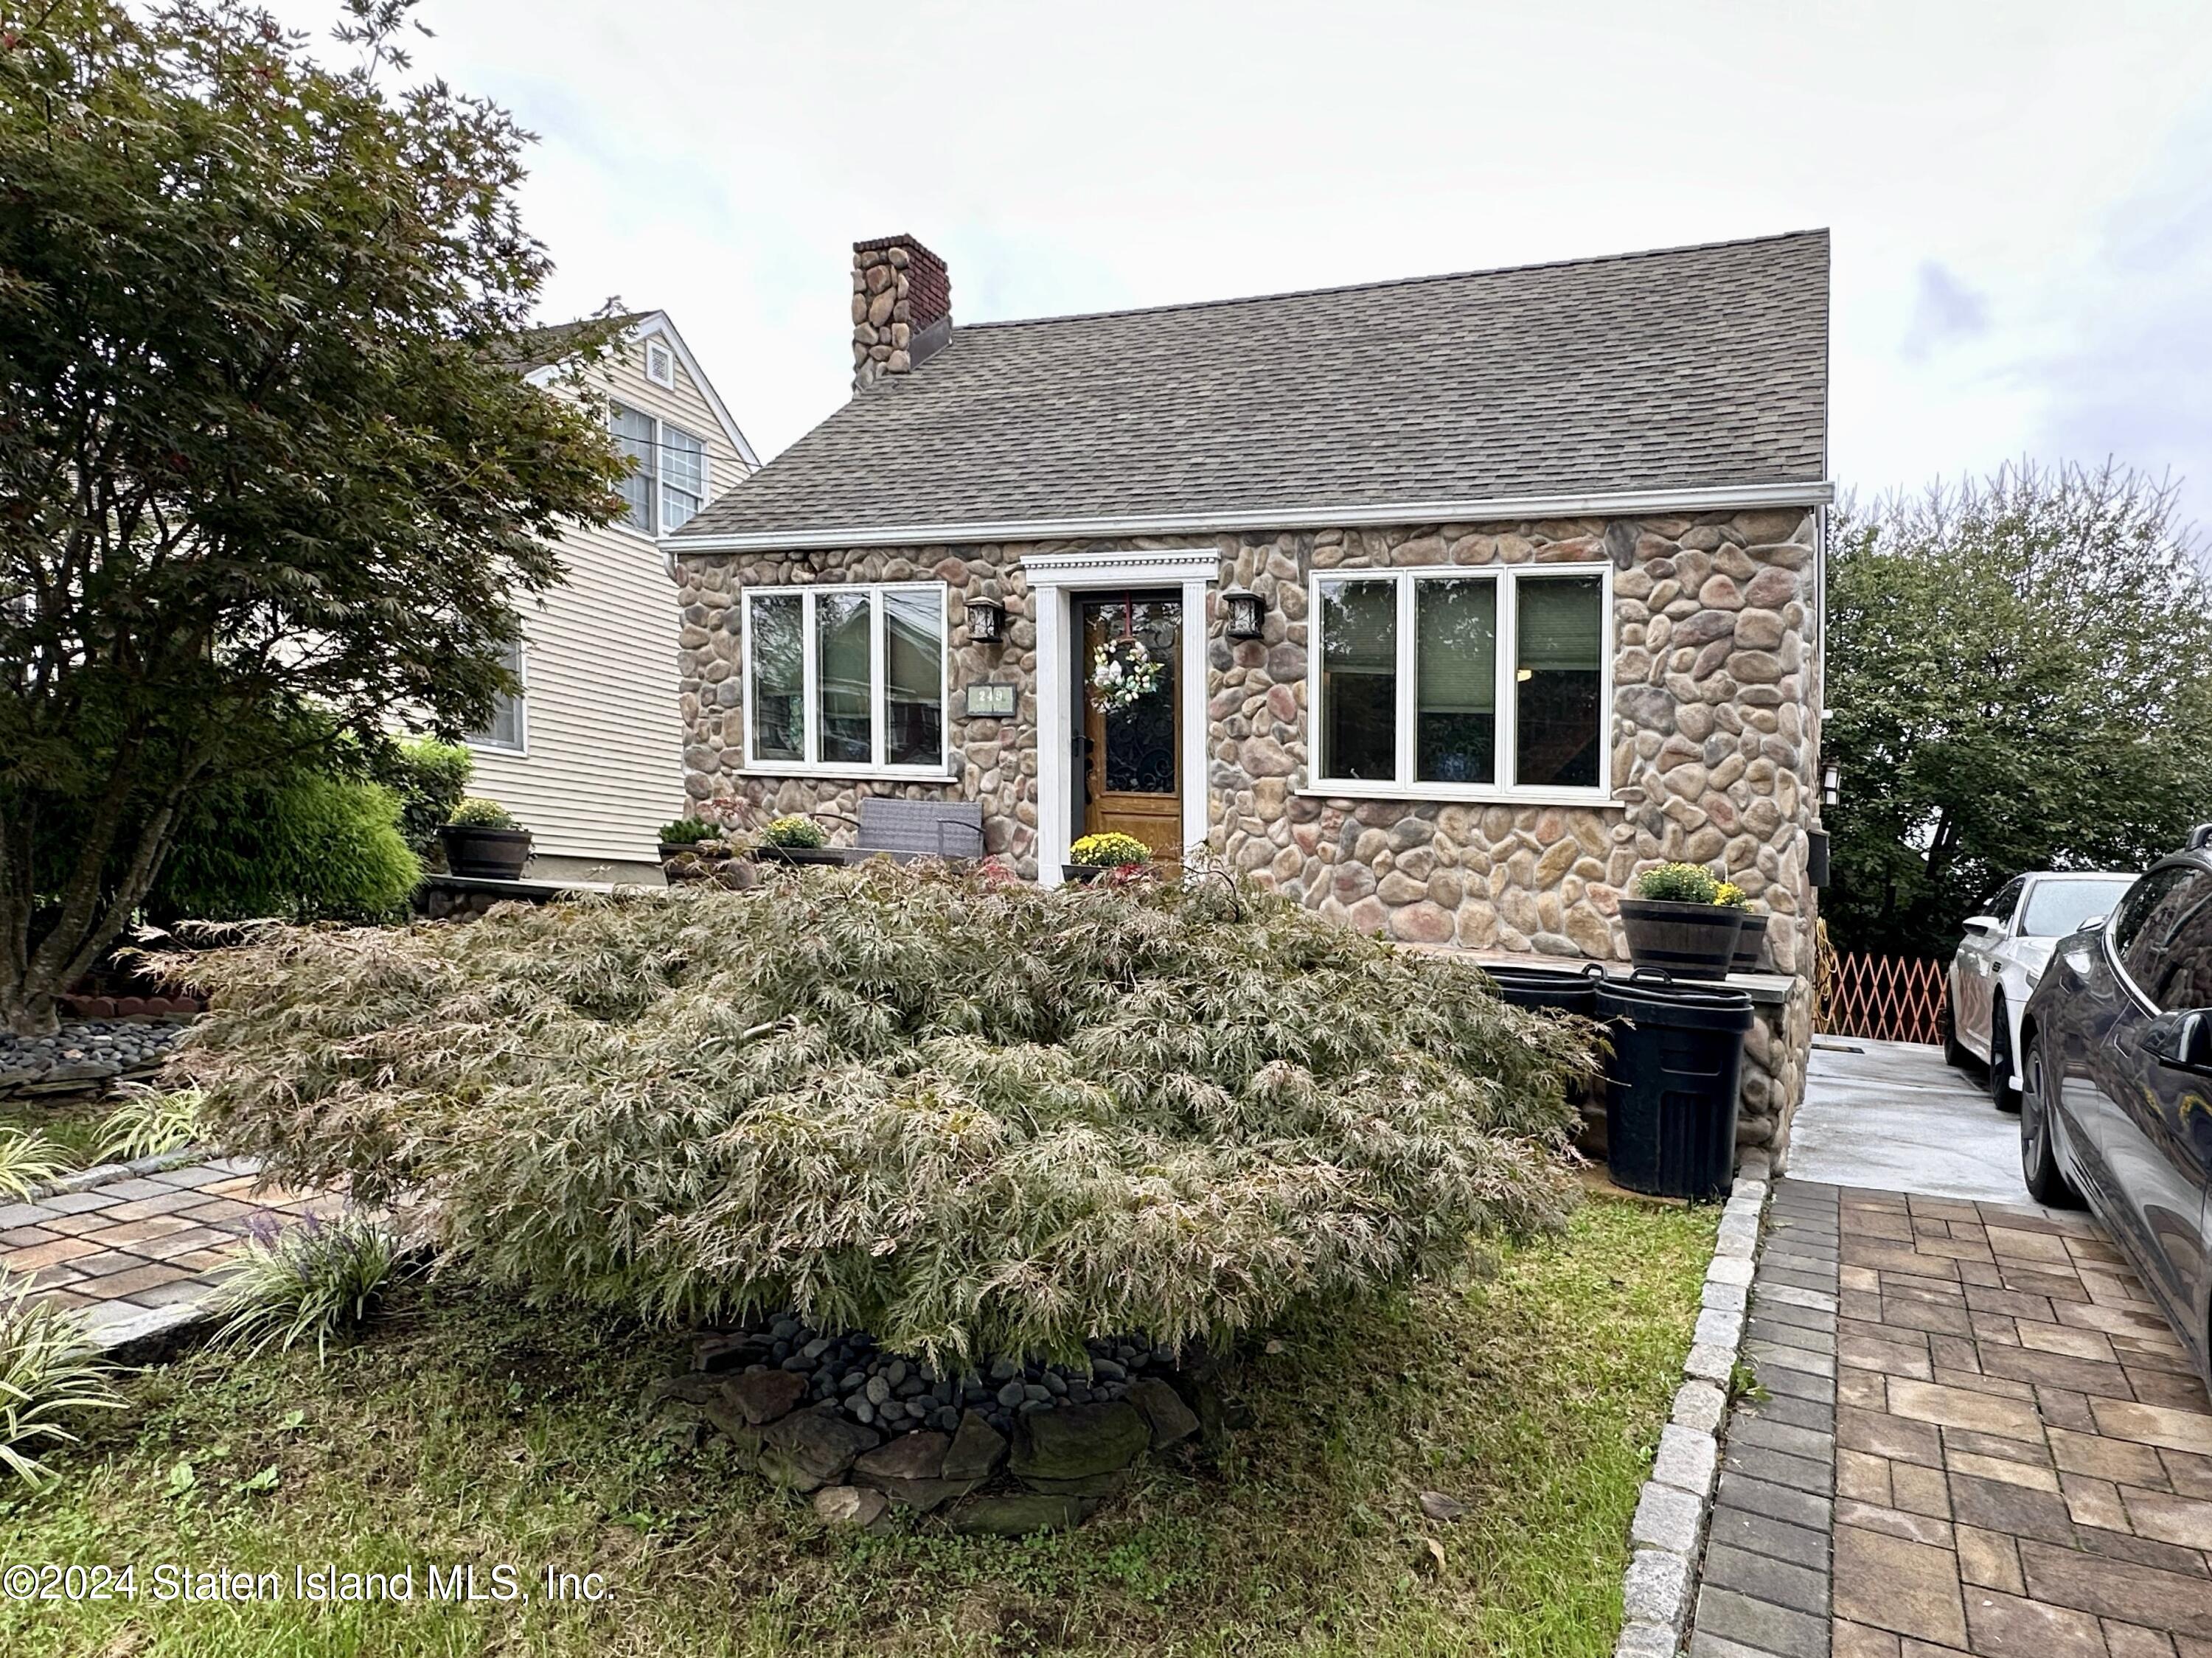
(902, 307)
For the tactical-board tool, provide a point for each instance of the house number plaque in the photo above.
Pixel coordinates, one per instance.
(991, 702)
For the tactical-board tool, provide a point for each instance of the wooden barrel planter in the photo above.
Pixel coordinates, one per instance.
(1691, 941)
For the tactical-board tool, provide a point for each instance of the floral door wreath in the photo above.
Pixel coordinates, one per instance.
(1123, 673)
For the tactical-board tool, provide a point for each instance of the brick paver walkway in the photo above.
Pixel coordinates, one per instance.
(134, 1253)
(2016, 1460)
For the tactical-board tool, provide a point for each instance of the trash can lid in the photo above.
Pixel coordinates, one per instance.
(1654, 995)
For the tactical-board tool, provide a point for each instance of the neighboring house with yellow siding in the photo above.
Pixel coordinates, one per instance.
(589, 757)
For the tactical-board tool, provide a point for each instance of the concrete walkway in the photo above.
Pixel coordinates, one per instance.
(144, 1254)
(1892, 1117)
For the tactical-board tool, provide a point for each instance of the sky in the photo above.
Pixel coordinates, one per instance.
(2020, 193)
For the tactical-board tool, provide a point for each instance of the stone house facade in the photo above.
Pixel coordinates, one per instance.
(1462, 728)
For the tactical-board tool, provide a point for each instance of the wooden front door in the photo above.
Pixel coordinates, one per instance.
(1132, 760)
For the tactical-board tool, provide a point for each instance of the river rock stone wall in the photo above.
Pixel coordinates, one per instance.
(1714, 734)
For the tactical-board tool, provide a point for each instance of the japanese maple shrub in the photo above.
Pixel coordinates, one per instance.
(965, 1114)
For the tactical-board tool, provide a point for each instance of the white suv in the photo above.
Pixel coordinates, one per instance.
(2004, 954)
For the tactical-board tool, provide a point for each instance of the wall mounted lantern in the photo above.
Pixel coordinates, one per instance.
(1244, 612)
(986, 620)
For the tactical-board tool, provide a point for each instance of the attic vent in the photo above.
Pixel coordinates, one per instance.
(660, 364)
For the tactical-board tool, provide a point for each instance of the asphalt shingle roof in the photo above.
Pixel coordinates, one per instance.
(1691, 367)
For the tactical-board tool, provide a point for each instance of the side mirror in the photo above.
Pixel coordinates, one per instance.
(1983, 925)
(2182, 1042)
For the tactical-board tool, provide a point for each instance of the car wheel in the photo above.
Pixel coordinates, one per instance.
(1954, 1052)
(2002, 1092)
(2038, 1150)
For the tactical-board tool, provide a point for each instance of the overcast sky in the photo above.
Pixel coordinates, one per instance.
(2020, 193)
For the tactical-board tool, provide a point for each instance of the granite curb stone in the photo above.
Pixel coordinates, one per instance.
(1672, 1512)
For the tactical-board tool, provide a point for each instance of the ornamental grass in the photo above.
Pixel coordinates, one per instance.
(969, 1116)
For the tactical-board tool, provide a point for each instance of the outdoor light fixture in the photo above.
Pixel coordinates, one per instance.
(986, 620)
(1244, 611)
(1829, 780)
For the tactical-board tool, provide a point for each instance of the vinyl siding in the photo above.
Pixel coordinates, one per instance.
(603, 768)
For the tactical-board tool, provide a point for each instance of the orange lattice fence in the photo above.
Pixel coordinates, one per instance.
(1894, 998)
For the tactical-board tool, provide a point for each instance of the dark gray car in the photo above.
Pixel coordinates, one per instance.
(2116, 1098)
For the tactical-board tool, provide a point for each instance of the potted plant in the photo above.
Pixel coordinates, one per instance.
(796, 840)
(1096, 854)
(1677, 921)
(684, 836)
(483, 842)
(1748, 941)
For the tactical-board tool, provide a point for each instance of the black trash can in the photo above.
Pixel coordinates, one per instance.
(1673, 1085)
(1555, 990)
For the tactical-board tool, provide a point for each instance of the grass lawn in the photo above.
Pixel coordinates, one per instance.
(72, 1122)
(462, 1430)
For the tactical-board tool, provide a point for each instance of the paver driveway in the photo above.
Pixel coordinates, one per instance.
(1980, 1437)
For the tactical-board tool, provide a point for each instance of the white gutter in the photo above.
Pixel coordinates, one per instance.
(1736, 497)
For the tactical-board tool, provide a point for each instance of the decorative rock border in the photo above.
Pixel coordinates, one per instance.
(87, 1056)
(1669, 1529)
(865, 1432)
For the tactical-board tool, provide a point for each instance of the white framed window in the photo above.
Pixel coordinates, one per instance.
(660, 363)
(1473, 682)
(683, 476)
(509, 732)
(846, 680)
(666, 484)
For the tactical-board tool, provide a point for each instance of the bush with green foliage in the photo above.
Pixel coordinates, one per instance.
(315, 1279)
(803, 832)
(688, 832)
(150, 1122)
(305, 846)
(1109, 850)
(474, 811)
(47, 1370)
(1679, 883)
(970, 1115)
(429, 778)
(28, 1159)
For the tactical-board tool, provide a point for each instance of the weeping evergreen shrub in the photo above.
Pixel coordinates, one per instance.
(966, 1114)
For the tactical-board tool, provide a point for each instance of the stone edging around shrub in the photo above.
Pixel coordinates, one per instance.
(1668, 1530)
(862, 1431)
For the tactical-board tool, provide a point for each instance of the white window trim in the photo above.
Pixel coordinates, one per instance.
(653, 531)
(1508, 578)
(810, 681)
(520, 749)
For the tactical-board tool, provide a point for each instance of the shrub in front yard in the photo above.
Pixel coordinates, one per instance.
(46, 1371)
(148, 1122)
(27, 1157)
(969, 1116)
(317, 1279)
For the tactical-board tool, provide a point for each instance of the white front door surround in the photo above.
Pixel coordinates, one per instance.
(1056, 578)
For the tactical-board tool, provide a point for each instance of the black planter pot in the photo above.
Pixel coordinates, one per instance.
(1691, 941)
(1749, 944)
(479, 853)
(677, 849)
(800, 854)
